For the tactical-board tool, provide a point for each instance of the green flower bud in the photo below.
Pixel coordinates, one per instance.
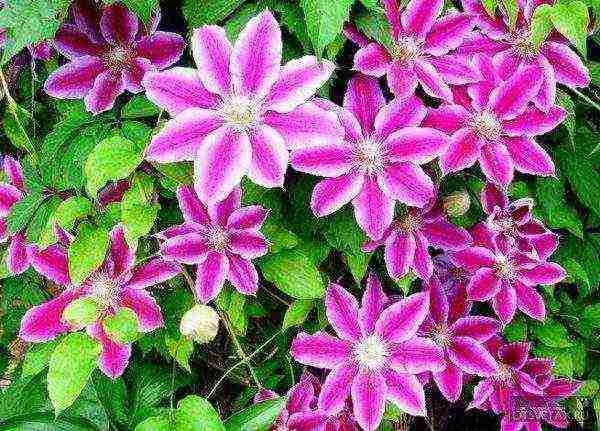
(456, 204)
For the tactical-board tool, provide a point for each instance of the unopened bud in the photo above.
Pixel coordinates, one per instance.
(81, 312)
(200, 323)
(456, 204)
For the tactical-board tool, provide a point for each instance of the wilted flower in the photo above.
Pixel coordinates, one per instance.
(378, 162)
(241, 103)
(377, 355)
(454, 281)
(506, 276)
(420, 51)
(492, 122)
(408, 239)
(200, 323)
(513, 48)
(220, 239)
(115, 286)
(108, 54)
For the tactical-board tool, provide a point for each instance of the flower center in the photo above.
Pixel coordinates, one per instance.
(487, 125)
(505, 268)
(368, 156)
(240, 113)
(218, 238)
(524, 45)
(406, 49)
(409, 223)
(504, 374)
(441, 335)
(371, 352)
(103, 291)
(117, 58)
(504, 223)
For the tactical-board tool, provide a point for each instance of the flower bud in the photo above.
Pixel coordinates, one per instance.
(456, 204)
(200, 323)
(81, 312)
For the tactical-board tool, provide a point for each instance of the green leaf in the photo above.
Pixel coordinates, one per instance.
(181, 350)
(15, 124)
(541, 24)
(138, 210)
(123, 326)
(324, 21)
(156, 423)
(81, 312)
(142, 8)
(589, 389)
(565, 101)
(139, 107)
(376, 26)
(71, 365)
(571, 19)
(552, 334)
(258, 417)
(490, 6)
(201, 12)
(511, 8)
(516, 330)
(233, 304)
(87, 252)
(195, 413)
(37, 357)
(294, 273)
(113, 159)
(41, 217)
(550, 195)
(65, 216)
(22, 212)
(297, 313)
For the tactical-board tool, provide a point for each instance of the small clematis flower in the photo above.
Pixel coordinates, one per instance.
(515, 222)
(378, 162)
(513, 48)
(376, 355)
(507, 277)
(108, 54)
(421, 51)
(116, 285)
(240, 111)
(461, 340)
(12, 192)
(408, 239)
(493, 122)
(220, 239)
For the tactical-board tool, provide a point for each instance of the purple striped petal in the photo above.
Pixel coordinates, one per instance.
(320, 350)
(221, 211)
(210, 276)
(52, 263)
(256, 56)
(399, 253)
(407, 183)
(448, 33)
(242, 275)
(333, 193)
(432, 81)
(103, 94)
(364, 99)
(329, 160)
(546, 97)
(514, 354)
(162, 48)
(269, 157)
(336, 388)
(546, 273)
(402, 79)
(75, 79)
(9, 195)
(191, 248)
(511, 97)
(449, 382)
(399, 113)
(417, 355)
(14, 171)
(530, 302)
(119, 26)
(491, 197)
(481, 393)
(419, 145)
(373, 303)
(153, 272)
(372, 60)
(463, 151)
(422, 263)
(456, 69)
(473, 258)
(248, 244)
(483, 285)
(134, 73)
(477, 327)
(535, 122)
(447, 118)
(121, 256)
(368, 399)
(439, 307)
(471, 357)
(496, 163)
(568, 67)
(445, 235)
(144, 306)
(342, 312)
(373, 209)
(250, 217)
(72, 42)
(505, 303)
(114, 357)
(212, 53)
(16, 255)
(529, 157)
(193, 210)
(419, 16)
(406, 392)
(44, 322)
(401, 321)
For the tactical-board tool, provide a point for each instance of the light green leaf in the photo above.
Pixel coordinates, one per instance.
(22, 212)
(123, 326)
(571, 19)
(155, 423)
(511, 8)
(552, 334)
(15, 124)
(139, 107)
(87, 252)
(233, 304)
(71, 365)
(376, 26)
(194, 413)
(138, 210)
(297, 313)
(490, 6)
(258, 417)
(181, 350)
(142, 8)
(201, 12)
(324, 20)
(65, 216)
(551, 199)
(541, 24)
(81, 312)
(37, 357)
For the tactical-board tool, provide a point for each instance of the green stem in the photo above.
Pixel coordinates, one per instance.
(587, 99)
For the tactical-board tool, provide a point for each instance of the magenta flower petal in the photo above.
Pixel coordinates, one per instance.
(562, 387)
(121, 256)
(191, 248)
(402, 79)
(373, 303)
(210, 276)
(221, 162)
(529, 157)
(73, 42)
(463, 151)
(417, 355)
(477, 327)
(269, 157)
(399, 113)
(399, 253)
(87, 17)
(535, 122)
(416, 144)
(114, 357)
(364, 99)
(568, 67)
(505, 303)
(447, 118)
(134, 73)
(422, 263)
(449, 381)
(14, 171)
(307, 421)
(103, 94)
(178, 230)
(153, 272)
(212, 54)
(546, 97)
(298, 81)
(482, 391)
(44, 322)
(320, 350)
(342, 312)
(472, 258)
(16, 256)
(445, 235)
(432, 80)
(9, 195)
(144, 306)
(511, 97)
(329, 160)
(419, 16)
(456, 69)
(163, 49)
(407, 183)
(333, 193)
(336, 388)
(448, 33)
(530, 302)
(406, 392)
(178, 89)
(248, 244)
(401, 321)
(373, 209)
(547, 273)
(222, 210)
(483, 285)
(51, 263)
(514, 354)
(439, 307)
(492, 196)
(471, 357)
(372, 60)
(369, 391)
(242, 275)
(256, 56)
(496, 163)
(192, 208)
(251, 217)
(74, 79)
(119, 26)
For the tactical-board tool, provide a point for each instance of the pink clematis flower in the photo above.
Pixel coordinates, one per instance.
(461, 340)
(421, 52)
(221, 239)
(492, 122)
(408, 239)
(238, 113)
(506, 276)
(108, 55)
(378, 162)
(515, 222)
(115, 285)
(377, 355)
(514, 48)
(11, 193)
(454, 281)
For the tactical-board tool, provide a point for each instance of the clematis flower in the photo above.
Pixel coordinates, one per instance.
(513, 48)
(238, 113)
(408, 239)
(220, 239)
(421, 50)
(376, 355)
(493, 122)
(378, 162)
(507, 277)
(12, 192)
(108, 54)
(461, 340)
(515, 222)
(116, 285)
(454, 281)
